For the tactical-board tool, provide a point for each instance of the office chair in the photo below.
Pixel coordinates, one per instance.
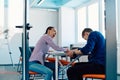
(19, 68)
(94, 76)
(32, 74)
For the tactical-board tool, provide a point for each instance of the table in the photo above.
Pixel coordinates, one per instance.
(56, 54)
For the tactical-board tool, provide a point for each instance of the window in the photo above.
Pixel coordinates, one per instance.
(93, 16)
(11, 14)
(81, 22)
(1, 17)
(90, 15)
(15, 16)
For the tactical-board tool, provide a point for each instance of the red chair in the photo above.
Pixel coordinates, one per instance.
(50, 59)
(33, 75)
(62, 64)
(94, 76)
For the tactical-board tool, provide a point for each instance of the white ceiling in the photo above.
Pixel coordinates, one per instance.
(54, 4)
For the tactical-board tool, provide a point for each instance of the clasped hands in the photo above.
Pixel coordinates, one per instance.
(70, 53)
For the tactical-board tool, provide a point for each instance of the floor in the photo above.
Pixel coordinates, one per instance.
(10, 73)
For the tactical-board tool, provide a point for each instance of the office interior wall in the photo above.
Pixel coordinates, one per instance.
(40, 20)
(66, 26)
(10, 41)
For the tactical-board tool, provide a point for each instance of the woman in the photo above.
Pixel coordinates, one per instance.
(36, 61)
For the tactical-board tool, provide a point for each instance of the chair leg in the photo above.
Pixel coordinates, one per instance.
(31, 77)
(18, 66)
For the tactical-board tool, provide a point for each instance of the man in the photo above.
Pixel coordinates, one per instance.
(95, 49)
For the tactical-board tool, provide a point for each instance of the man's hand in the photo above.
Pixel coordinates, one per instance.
(69, 53)
(76, 51)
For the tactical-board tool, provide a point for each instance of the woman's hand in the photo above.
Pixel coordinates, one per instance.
(69, 53)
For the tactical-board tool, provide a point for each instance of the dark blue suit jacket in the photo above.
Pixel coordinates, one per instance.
(95, 47)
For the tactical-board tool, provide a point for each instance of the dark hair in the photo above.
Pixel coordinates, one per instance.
(86, 30)
(49, 28)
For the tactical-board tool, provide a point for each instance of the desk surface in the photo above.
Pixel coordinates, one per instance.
(57, 53)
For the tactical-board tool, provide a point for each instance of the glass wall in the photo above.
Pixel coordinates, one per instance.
(118, 36)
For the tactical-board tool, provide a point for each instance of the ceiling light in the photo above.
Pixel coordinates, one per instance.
(40, 2)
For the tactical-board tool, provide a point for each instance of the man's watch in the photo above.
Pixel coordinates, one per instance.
(74, 55)
(73, 52)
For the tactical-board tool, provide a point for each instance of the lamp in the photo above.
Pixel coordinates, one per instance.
(40, 2)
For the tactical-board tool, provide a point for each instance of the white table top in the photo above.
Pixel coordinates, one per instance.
(57, 53)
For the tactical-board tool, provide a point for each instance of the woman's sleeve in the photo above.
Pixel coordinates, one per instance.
(51, 43)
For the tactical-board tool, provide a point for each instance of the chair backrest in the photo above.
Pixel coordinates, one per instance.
(32, 48)
(29, 53)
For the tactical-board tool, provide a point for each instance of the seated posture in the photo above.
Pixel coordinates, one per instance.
(95, 49)
(37, 59)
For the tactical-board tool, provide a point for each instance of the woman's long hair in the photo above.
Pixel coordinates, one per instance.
(49, 28)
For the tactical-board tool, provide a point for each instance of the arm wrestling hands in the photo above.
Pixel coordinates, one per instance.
(70, 53)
